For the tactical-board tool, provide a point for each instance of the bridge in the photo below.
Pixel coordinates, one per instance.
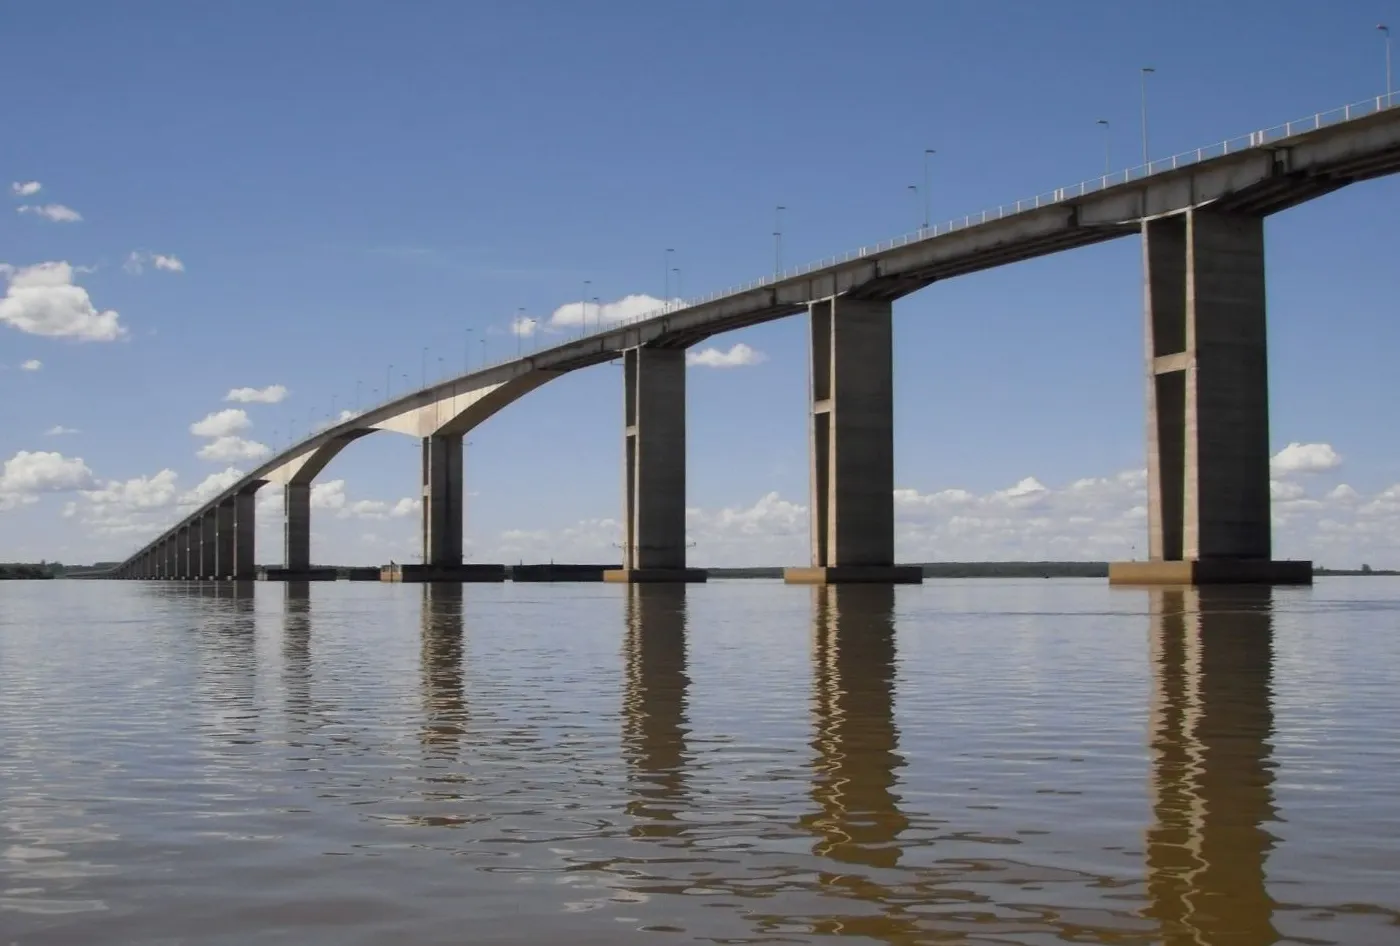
(1201, 217)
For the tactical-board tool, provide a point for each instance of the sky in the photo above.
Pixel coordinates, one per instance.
(227, 225)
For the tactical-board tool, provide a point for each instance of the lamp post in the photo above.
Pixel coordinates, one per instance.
(597, 313)
(520, 331)
(1389, 86)
(1146, 161)
(680, 293)
(914, 189)
(1107, 156)
(778, 240)
(583, 308)
(666, 292)
(928, 192)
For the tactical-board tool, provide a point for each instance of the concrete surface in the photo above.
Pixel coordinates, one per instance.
(654, 459)
(442, 501)
(855, 574)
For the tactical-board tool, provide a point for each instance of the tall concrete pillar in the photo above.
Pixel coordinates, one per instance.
(1207, 404)
(852, 445)
(224, 540)
(296, 556)
(208, 544)
(442, 500)
(182, 552)
(172, 558)
(244, 525)
(654, 468)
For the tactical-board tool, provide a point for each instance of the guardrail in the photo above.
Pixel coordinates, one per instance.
(1254, 139)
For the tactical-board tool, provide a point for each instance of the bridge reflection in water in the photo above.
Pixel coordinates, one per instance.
(1212, 769)
(1211, 776)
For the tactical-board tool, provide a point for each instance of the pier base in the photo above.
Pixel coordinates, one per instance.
(297, 574)
(855, 574)
(560, 572)
(1211, 572)
(654, 576)
(457, 573)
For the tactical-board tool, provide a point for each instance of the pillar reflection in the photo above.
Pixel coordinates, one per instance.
(296, 647)
(858, 820)
(1212, 772)
(444, 701)
(654, 707)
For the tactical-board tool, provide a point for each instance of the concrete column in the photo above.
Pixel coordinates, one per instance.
(296, 556)
(172, 557)
(182, 553)
(442, 500)
(208, 543)
(224, 540)
(654, 468)
(244, 525)
(852, 445)
(1207, 403)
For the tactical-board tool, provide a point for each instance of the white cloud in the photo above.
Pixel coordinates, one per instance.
(59, 430)
(143, 492)
(211, 486)
(272, 394)
(328, 495)
(608, 313)
(376, 508)
(222, 423)
(1342, 493)
(42, 300)
(524, 326)
(738, 356)
(407, 506)
(25, 188)
(33, 364)
(55, 212)
(231, 449)
(1305, 458)
(1284, 490)
(136, 262)
(27, 474)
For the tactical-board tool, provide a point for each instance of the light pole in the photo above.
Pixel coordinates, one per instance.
(1146, 161)
(1107, 156)
(914, 189)
(597, 313)
(520, 331)
(583, 307)
(680, 293)
(928, 193)
(778, 240)
(1389, 87)
(666, 292)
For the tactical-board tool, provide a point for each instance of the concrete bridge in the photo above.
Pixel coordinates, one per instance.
(1201, 217)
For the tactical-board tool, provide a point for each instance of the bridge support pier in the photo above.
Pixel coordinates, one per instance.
(442, 500)
(244, 526)
(852, 446)
(224, 540)
(1207, 406)
(208, 544)
(654, 457)
(296, 535)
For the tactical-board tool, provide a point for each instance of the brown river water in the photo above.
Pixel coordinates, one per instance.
(978, 761)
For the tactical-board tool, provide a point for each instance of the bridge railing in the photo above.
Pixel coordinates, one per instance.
(542, 338)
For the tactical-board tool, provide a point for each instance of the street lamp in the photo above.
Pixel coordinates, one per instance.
(666, 292)
(1389, 87)
(680, 294)
(583, 308)
(597, 313)
(1107, 157)
(778, 240)
(1146, 161)
(914, 189)
(519, 331)
(928, 192)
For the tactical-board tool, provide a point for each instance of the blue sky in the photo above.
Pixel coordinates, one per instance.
(345, 184)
